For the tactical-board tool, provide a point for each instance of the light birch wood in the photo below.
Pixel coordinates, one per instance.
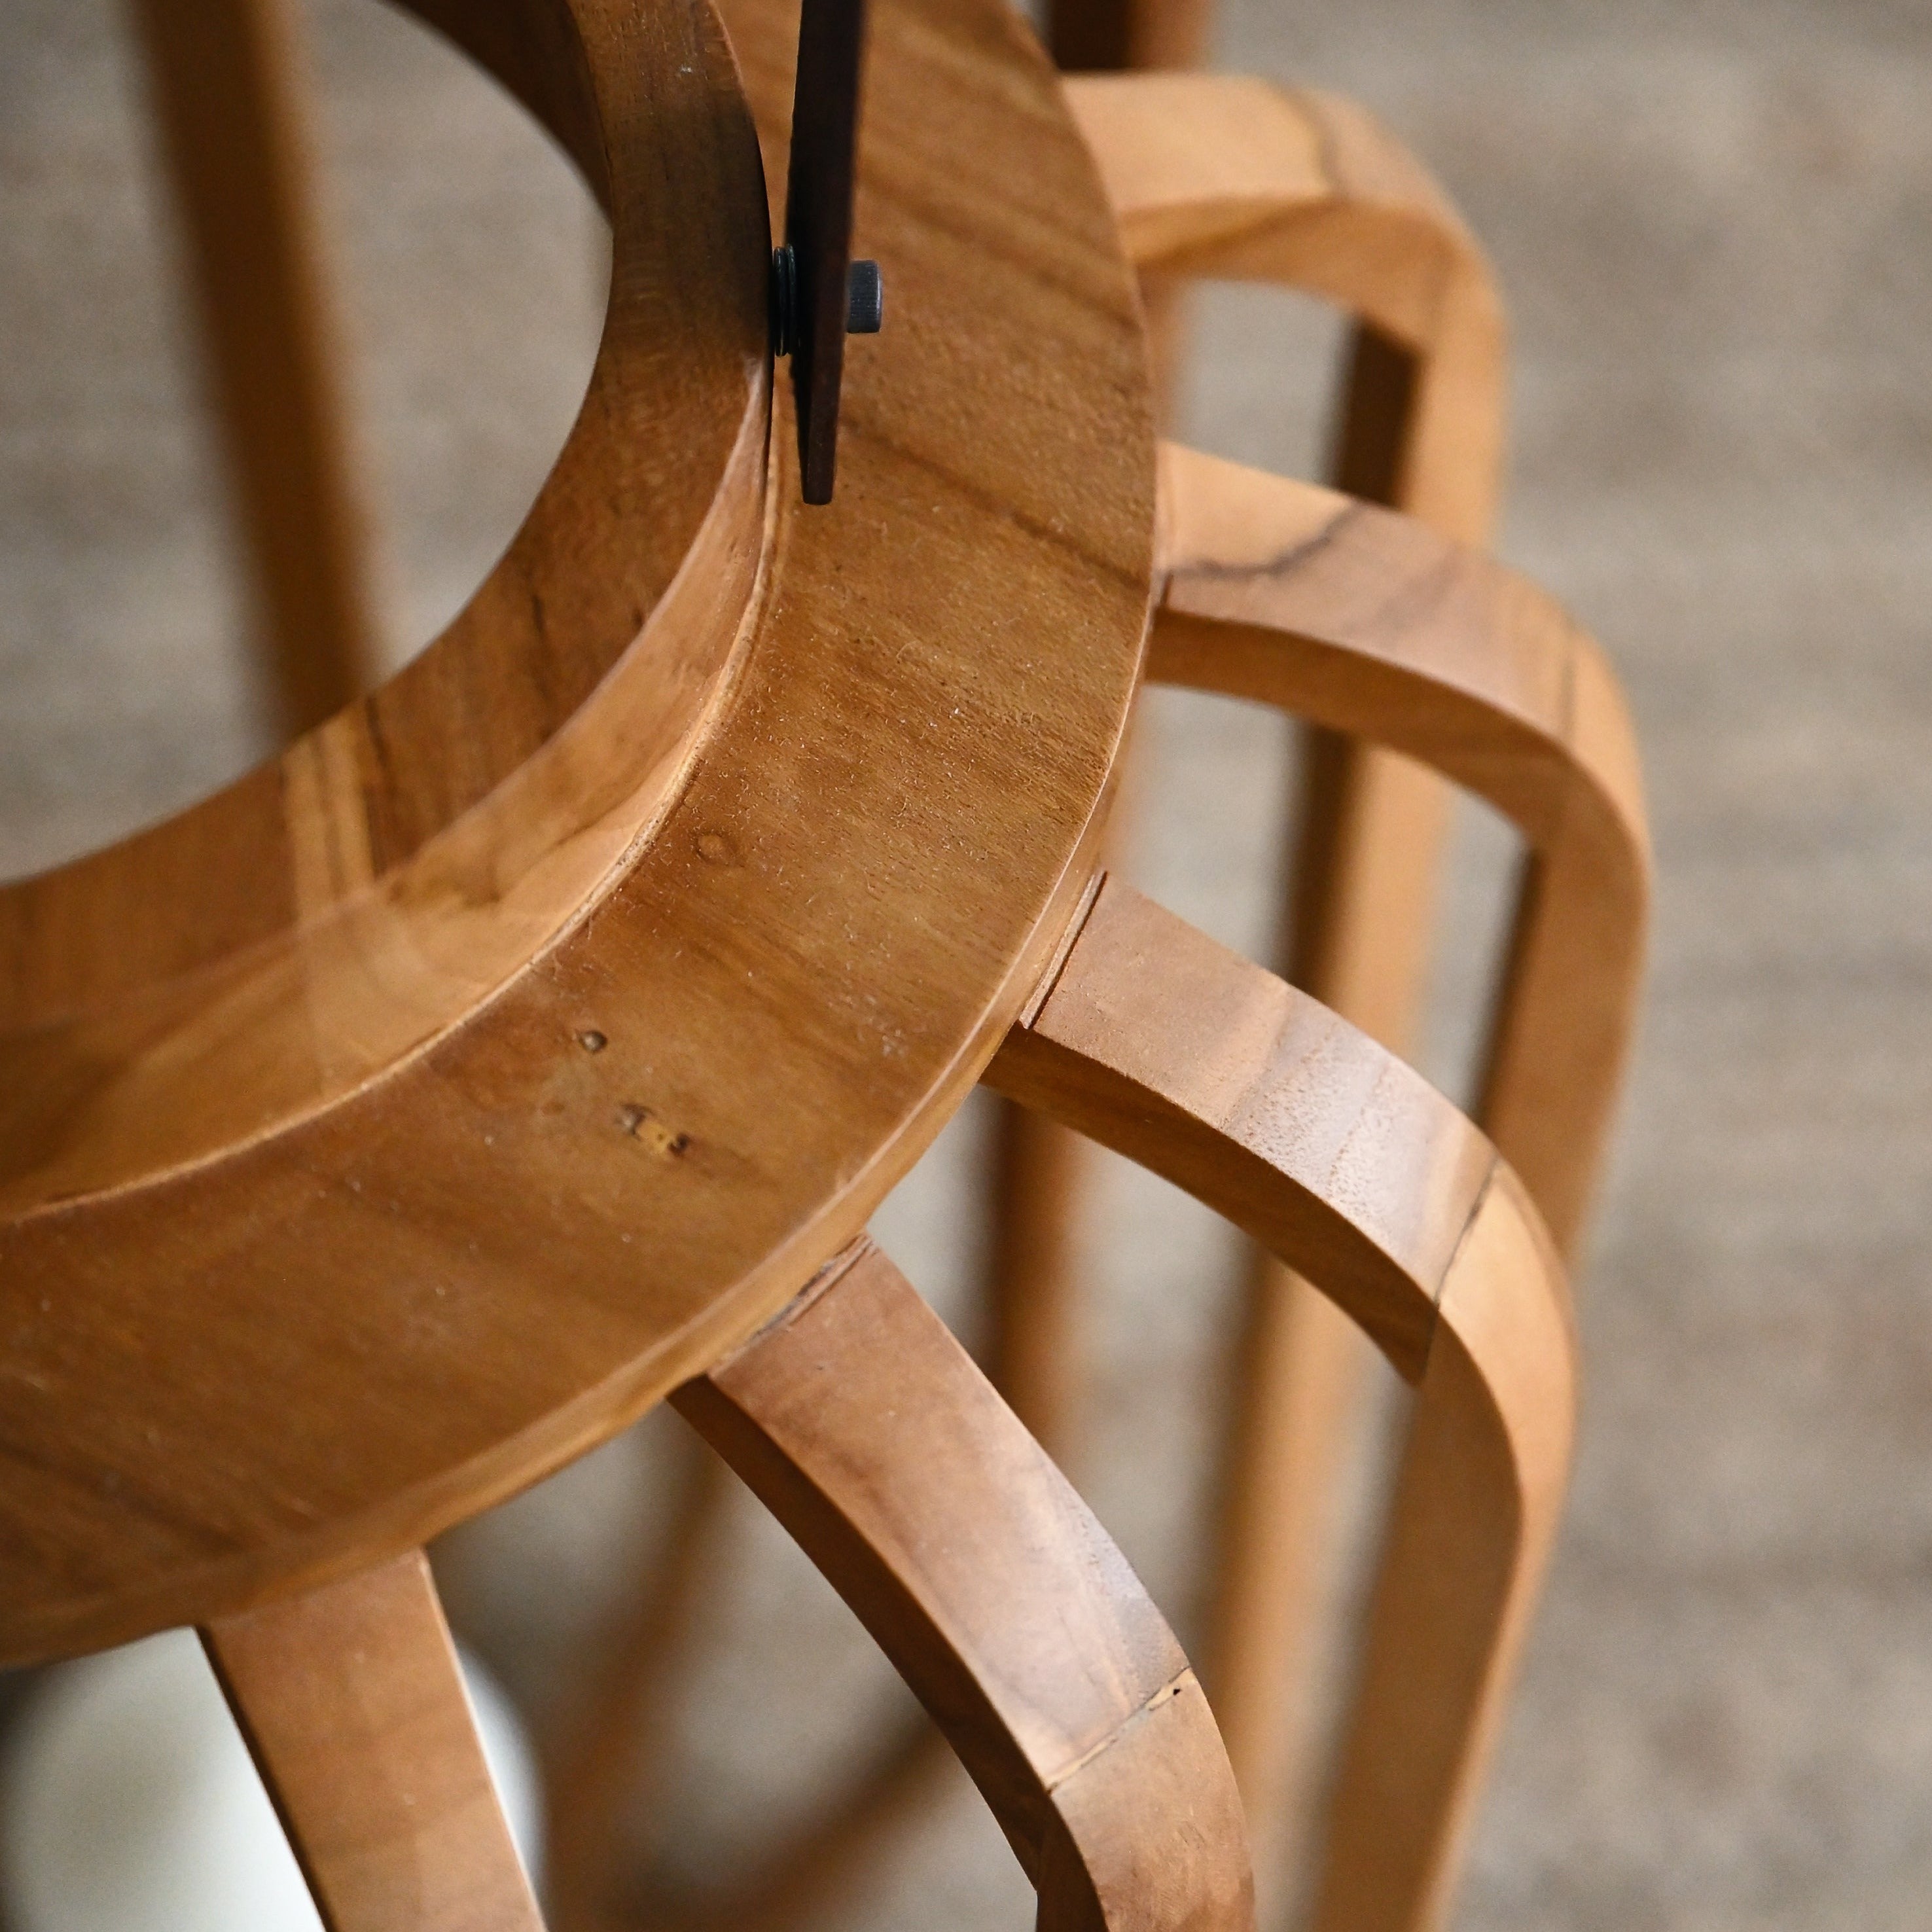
(1364, 622)
(372, 1059)
(862, 1423)
(409, 1116)
(1216, 175)
(1213, 175)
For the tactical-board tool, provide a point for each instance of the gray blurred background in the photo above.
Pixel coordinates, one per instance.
(1713, 224)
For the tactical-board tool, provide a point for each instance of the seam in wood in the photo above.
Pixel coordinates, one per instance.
(1292, 558)
(1036, 1004)
(828, 1277)
(1168, 1692)
(1462, 1240)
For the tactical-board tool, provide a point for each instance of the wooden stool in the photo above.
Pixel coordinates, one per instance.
(532, 1039)
(1422, 667)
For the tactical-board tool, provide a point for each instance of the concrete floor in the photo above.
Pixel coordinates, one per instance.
(1714, 225)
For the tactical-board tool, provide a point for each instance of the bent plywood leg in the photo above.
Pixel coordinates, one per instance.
(804, 1883)
(1223, 177)
(353, 1705)
(1476, 1507)
(1114, 36)
(613, 1761)
(228, 101)
(1120, 36)
(1034, 1358)
(1371, 625)
(1270, 1626)
(1216, 175)
(1349, 1168)
(1368, 623)
(868, 1432)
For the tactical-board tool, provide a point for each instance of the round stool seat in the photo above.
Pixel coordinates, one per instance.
(394, 1125)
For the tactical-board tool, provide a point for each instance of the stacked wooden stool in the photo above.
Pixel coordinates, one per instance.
(529, 1043)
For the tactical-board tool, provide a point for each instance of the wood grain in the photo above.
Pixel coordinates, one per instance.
(406, 1119)
(867, 1431)
(352, 1704)
(230, 100)
(1478, 1498)
(1311, 192)
(1213, 175)
(1369, 624)
(1262, 1104)
(1400, 639)
(1352, 1172)
(1222, 176)
(1218, 176)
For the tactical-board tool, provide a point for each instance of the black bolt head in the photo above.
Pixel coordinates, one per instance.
(865, 299)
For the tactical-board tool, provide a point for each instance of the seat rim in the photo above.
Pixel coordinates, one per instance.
(471, 754)
(145, 1499)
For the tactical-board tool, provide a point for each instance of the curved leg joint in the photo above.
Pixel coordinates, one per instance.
(1350, 1170)
(867, 1431)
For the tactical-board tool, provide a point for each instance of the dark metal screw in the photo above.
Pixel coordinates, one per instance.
(865, 300)
(784, 300)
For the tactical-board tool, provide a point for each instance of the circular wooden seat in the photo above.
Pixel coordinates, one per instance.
(396, 1123)
(532, 1039)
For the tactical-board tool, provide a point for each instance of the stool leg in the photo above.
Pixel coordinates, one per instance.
(1035, 1359)
(1369, 624)
(1224, 177)
(228, 103)
(865, 1429)
(1218, 176)
(1349, 1169)
(1372, 625)
(352, 1702)
(1285, 1463)
(1475, 1513)
(1111, 36)
(1286, 594)
(614, 1760)
(1416, 420)
(859, 1421)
